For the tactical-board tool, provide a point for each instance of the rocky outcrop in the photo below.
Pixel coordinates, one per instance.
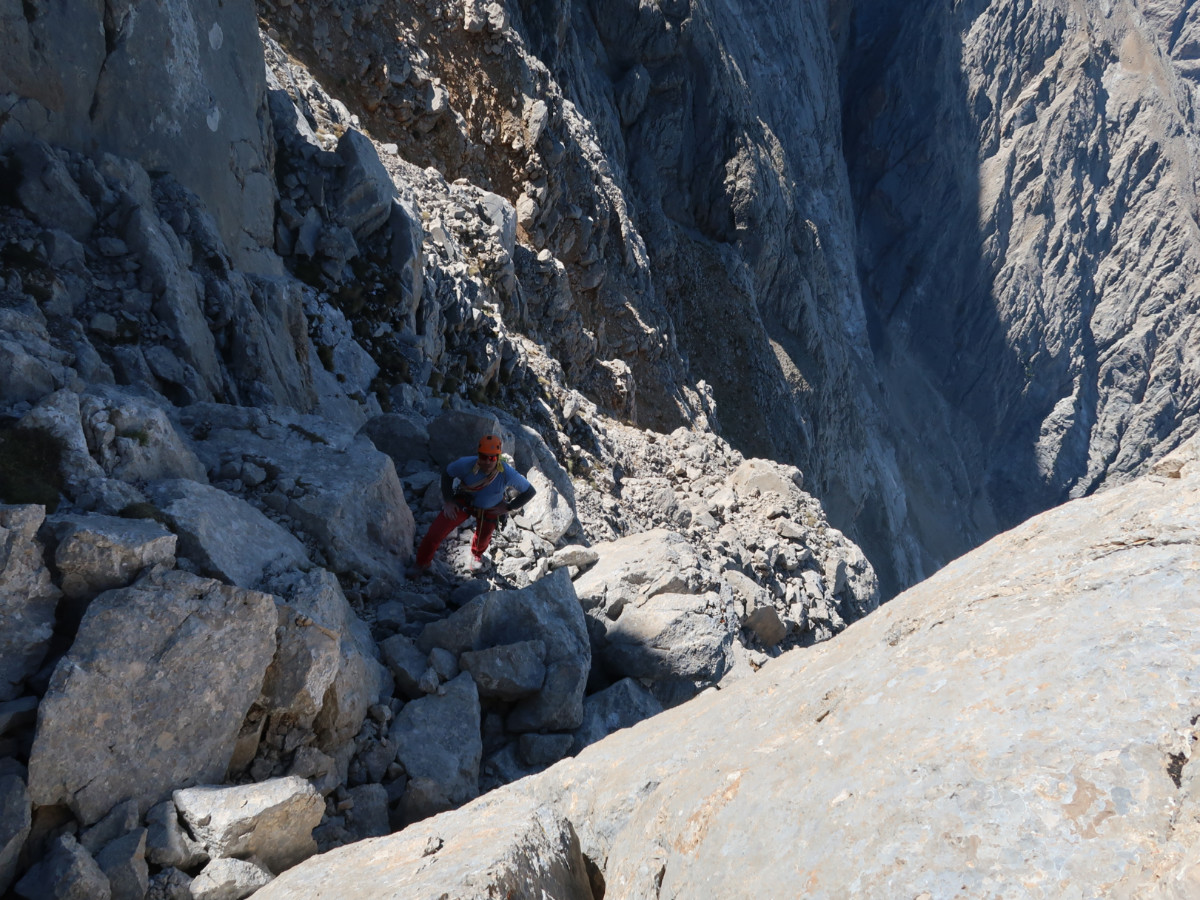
(139, 655)
(196, 69)
(983, 682)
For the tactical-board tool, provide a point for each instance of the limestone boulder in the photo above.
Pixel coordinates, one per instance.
(549, 514)
(619, 706)
(67, 872)
(402, 437)
(123, 862)
(133, 439)
(670, 637)
(16, 819)
(168, 843)
(457, 433)
(333, 484)
(28, 599)
(364, 192)
(507, 672)
(228, 879)
(406, 663)
(521, 850)
(57, 418)
(756, 477)
(271, 821)
(438, 742)
(547, 611)
(224, 535)
(94, 553)
(635, 568)
(306, 663)
(152, 693)
(359, 681)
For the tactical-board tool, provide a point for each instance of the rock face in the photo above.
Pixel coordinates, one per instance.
(68, 76)
(140, 655)
(1034, 346)
(27, 598)
(983, 682)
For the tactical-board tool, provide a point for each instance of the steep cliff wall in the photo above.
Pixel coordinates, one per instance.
(680, 163)
(1025, 182)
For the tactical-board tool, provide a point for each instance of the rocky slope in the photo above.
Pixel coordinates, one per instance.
(968, 739)
(257, 287)
(214, 463)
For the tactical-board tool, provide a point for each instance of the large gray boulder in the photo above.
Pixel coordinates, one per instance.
(457, 433)
(359, 679)
(619, 706)
(16, 819)
(172, 664)
(983, 683)
(95, 553)
(438, 743)
(67, 872)
(224, 535)
(132, 438)
(342, 492)
(364, 192)
(123, 862)
(634, 569)
(27, 598)
(547, 611)
(228, 879)
(271, 821)
(518, 849)
(669, 636)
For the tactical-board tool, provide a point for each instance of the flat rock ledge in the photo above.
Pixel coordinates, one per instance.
(1019, 724)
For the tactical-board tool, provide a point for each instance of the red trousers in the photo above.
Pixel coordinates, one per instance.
(485, 524)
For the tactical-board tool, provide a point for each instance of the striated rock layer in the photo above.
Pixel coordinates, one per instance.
(1032, 697)
(1024, 179)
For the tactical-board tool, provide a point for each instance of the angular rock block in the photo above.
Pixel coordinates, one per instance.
(438, 739)
(546, 610)
(508, 672)
(224, 535)
(525, 851)
(271, 821)
(228, 879)
(340, 490)
(152, 693)
(96, 553)
(27, 598)
(669, 636)
(623, 704)
(360, 680)
(67, 872)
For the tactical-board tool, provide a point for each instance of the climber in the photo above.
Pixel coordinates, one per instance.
(485, 483)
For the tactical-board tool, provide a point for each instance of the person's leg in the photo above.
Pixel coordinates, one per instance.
(438, 530)
(483, 534)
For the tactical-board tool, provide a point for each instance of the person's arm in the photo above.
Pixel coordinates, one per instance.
(449, 507)
(521, 499)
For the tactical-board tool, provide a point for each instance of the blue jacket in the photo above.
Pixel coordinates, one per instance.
(466, 470)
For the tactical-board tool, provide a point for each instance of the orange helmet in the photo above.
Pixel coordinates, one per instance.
(489, 444)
